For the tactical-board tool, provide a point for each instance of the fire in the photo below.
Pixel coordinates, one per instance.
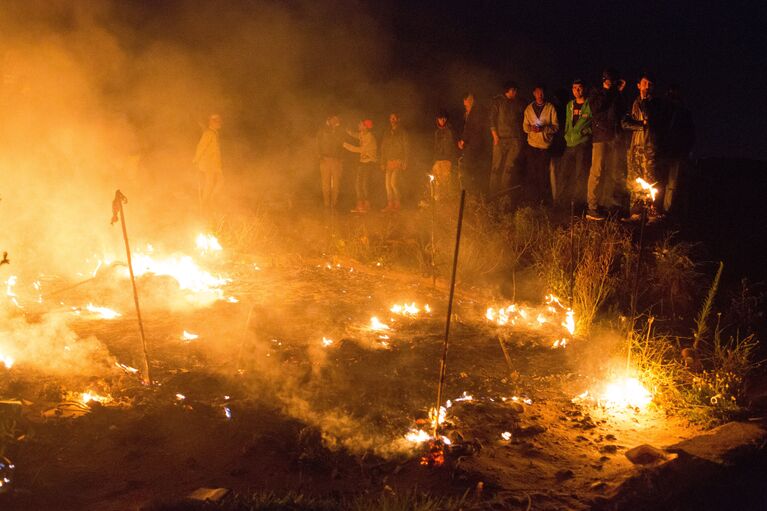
(207, 243)
(87, 397)
(506, 435)
(409, 309)
(553, 313)
(102, 312)
(377, 326)
(647, 187)
(6, 360)
(9, 285)
(621, 393)
(189, 336)
(184, 270)
(327, 342)
(624, 393)
(569, 322)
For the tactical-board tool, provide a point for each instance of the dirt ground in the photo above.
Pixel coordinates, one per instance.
(258, 402)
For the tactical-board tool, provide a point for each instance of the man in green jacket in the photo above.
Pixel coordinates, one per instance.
(575, 162)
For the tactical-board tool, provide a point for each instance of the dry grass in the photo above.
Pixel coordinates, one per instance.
(587, 265)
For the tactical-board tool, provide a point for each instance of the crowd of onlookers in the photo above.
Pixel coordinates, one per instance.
(601, 150)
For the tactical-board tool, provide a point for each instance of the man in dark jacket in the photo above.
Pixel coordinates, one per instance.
(473, 144)
(607, 110)
(643, 121)
(444, 154)
(506, 117)
(395, 151)
(675, 142)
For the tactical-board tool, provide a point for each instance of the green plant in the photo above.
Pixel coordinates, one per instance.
(701, 321)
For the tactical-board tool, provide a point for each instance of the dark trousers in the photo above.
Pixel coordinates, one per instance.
(505, 172)
(574, 174)
(538, 182)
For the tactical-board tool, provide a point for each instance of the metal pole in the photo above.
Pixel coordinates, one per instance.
(443, 362)
(433, 220)
(635, 287)
(117, 207)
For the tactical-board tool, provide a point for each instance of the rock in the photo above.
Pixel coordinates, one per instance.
(598, 486)
(516, 408)
(564, 475)
(645, 454)
(609, 449)
(610, 437)
(723, 444)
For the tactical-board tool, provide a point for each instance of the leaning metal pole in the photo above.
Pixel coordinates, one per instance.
(117, 210)
(443, 362)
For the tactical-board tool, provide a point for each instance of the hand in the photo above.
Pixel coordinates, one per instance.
(536, 128)
(461, 144)
(621, 85)
(495, 138)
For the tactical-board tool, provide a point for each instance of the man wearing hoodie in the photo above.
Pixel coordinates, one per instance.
(540, 124)
(578, 150)
(368, 151)
(606, 104)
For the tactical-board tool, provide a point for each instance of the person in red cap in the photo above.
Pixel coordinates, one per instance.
(368, 151)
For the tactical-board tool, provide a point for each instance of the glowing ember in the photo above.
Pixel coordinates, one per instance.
(569, 322)
(405, 309)
(102, 312)
(9, 285)
(208, 243)
(189, 336)
(180, 397)
(549, 315)
(232, 299)
(87, 397)
(506, 435)
(626, 392)
(465, 397)
(647, 187)
(417, 436)
(559, 343)
(327, 342)
(228, 412)
(6, 360)
(376, 325)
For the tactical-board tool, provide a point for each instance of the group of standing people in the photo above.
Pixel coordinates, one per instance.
(598, 150)
(586, 159)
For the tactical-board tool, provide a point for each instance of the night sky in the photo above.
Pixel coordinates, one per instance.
(371, 56)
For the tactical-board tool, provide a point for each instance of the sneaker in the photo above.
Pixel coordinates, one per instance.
(594, 215)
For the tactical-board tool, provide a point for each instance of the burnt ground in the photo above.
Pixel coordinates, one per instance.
(267, 407)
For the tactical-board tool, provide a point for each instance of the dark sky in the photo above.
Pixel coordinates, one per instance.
(714, 50)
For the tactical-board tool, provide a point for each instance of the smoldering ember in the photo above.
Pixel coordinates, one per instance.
(357, 255)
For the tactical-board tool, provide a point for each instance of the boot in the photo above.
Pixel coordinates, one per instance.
(389, 207)
(360, 208)
(366, 205)
(395, 205)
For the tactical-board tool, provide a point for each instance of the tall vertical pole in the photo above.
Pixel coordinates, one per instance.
(117, 207)
(443, 362)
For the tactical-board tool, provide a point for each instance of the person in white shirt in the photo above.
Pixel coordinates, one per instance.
(540, 123)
